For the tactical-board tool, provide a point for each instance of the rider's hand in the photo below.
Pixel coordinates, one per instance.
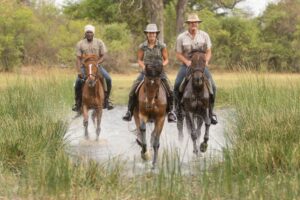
(81, 76)
(188, 63)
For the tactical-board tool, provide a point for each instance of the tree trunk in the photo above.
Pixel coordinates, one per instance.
(180, 8)
(155, 12)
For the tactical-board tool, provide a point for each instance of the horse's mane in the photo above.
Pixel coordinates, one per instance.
(92, 57)
(154, 69)
(198, 59)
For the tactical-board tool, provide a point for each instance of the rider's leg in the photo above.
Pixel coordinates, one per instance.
(177, 95)
(213, 96)
(78, 90)
(170, 98)
(107, 103)
(132, 98)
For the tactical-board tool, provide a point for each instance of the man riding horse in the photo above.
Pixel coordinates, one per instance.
(151, 51)
(188, 41)
(90, 46)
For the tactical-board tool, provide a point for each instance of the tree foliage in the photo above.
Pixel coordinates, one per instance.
(36, 32)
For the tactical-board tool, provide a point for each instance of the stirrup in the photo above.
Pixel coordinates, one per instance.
(127, 117)
(172, 117)
(108, 104)
(213, 119)
(75, 108)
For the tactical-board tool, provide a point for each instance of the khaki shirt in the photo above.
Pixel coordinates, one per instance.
(154, 54)
(96, 47)
(185, 43)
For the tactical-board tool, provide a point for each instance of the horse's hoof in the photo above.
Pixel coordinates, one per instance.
(203, 147)
(146, 156)
(195, 152)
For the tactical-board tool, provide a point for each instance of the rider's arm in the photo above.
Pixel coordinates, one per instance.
(165, 56)
(78, 64)
(101, 58)
(182, 59)
(102, 51)
(208, 56)
(140, 59)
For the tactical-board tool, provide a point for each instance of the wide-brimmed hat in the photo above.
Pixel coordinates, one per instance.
(151, 28)
(89, 28)
(193, 18)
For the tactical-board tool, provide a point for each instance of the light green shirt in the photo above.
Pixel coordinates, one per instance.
(96, 47)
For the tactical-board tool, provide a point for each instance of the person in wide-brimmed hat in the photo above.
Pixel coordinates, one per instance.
(151, 51)
(90, 45)
(193, 39)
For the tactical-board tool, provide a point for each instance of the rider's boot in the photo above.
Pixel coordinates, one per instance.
(131, 103)
(107, 102)
(170, 101)
(178, 107)
(171, 114)
(213, 116)
(78, 96)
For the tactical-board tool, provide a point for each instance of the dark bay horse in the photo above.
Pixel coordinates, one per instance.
(196, 101)
(152, 106)
(92, 94)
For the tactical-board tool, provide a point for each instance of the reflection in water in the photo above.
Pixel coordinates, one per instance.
(117, 144)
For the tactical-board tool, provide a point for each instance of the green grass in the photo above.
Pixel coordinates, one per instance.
(264, 162)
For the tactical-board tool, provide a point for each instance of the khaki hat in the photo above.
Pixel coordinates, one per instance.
(151, 28)
(193, 18)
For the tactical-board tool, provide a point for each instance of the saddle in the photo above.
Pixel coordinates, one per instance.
(142, 82)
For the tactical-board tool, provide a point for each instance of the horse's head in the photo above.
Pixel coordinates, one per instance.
(152, 81)
(91, 69)
(197, 68)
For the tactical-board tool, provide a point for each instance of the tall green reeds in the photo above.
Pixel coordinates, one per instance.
(262, 163)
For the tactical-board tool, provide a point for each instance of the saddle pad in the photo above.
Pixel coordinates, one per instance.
(209, 86)
(138, 87)
(165, 88)
(141, 83)
(182, 85)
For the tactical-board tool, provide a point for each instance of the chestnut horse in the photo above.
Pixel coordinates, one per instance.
(92, 94)
(196, 101)
(152, 106)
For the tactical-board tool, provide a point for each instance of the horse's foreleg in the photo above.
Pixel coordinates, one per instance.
(199, 125)
(155, 138)
(98, 117)
(191, 129)
(143, 142)
(85, 121)
(180, 126)
(203, 146)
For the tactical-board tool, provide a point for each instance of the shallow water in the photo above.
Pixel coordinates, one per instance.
(117, 143)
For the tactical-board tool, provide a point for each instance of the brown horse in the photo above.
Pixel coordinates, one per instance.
(196, 101)
(152, 106)
(92, 94)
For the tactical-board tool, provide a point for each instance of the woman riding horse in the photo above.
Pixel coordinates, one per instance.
(150, 51)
